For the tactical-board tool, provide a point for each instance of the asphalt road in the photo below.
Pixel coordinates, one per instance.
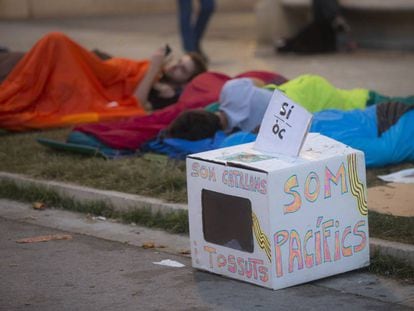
(90, 273)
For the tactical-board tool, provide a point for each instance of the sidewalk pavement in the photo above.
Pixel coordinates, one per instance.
(123, 202)
(101, 266)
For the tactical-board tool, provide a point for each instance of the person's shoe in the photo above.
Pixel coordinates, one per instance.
(339, 24)
(282, 46)
(345, 44)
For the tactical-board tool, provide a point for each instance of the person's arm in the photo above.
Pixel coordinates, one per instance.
(154, 70)
(162, 95)
(164, 90)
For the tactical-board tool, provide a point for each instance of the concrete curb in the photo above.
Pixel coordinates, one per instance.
(401, 251)
(122, 202)
(126, 202)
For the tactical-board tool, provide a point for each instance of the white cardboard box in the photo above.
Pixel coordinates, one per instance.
(278, 221)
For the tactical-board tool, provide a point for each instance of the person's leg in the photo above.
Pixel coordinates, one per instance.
(327, 14)
(185, 9)
(207, 8)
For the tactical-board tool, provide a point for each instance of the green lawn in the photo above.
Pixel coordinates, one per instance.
(150, 175)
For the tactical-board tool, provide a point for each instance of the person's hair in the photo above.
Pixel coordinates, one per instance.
(194, 125)
(200, 64)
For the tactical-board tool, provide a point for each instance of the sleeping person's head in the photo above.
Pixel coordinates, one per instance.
(186, 68)
(242, 107)
(194, 125)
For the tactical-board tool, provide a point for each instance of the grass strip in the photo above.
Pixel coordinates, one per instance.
(392, 228)
(150, 175)
(173, 221)
(391, 267)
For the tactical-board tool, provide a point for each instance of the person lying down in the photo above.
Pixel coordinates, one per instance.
(59, 82)
(363, 119)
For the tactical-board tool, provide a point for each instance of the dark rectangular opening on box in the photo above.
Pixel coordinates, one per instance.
(227, 220)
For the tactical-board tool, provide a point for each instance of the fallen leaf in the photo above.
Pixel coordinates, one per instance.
(185, 252)
(148, 245)
(45, 238)
(39, 205)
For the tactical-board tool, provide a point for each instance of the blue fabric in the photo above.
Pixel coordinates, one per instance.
(238, 139)
(82, 139)
(358, 129)
(177, 148)
(346, 126)
(394, 145)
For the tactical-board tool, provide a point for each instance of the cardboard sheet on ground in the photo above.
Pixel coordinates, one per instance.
(395, 199)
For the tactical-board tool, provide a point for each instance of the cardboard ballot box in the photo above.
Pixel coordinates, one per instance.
(277, 221)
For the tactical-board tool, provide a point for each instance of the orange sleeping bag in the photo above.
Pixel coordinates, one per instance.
(59, 83)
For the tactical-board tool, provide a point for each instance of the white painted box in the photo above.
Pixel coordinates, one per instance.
(278, 221)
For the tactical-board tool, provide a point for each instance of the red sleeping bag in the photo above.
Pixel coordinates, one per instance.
(131, 133)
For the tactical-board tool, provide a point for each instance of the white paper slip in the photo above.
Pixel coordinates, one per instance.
(284, 127)
(403, 177)
(169, 263)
